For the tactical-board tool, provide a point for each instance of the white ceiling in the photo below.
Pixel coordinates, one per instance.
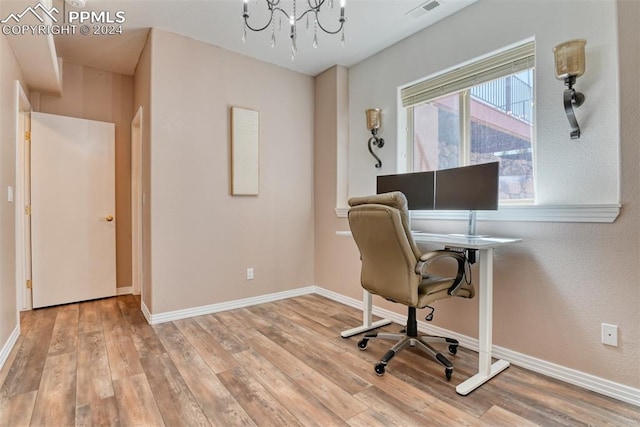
(372, 25)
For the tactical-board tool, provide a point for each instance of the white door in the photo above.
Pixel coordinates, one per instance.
(72, 209)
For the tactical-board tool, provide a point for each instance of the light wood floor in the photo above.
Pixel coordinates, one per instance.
(277, 364)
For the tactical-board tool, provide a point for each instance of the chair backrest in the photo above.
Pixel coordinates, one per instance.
(381, 229)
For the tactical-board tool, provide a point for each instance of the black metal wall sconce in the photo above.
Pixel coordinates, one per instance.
(374, 121)
(570, 65)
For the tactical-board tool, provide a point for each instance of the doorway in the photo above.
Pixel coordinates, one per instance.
(72, 209)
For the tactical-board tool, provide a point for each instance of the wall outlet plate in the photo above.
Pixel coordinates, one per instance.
(610, 334)
(250, 273)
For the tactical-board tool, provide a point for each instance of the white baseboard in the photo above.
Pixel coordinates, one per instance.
(8, 346)
(230, 305)
(126, 290)
(146, 313)
(581, 379)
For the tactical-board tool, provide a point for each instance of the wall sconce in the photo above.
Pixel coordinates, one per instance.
(569, 66)
(374, 121)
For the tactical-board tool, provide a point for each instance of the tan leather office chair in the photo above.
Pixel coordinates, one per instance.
(394, 268)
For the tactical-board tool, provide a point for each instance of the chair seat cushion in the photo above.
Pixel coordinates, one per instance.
(433, 288)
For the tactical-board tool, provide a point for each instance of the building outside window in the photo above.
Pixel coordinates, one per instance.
(478, 113)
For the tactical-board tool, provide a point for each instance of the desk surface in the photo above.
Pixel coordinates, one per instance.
(456, 240)
(459, 240)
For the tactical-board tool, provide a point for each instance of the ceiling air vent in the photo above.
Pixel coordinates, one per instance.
(424, 8)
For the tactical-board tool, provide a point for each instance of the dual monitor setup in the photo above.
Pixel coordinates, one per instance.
(469, 188)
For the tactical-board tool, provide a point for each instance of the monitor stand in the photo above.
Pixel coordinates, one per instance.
(471, 231)
(471, 227)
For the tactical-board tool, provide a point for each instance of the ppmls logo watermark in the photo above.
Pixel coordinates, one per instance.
(76, 22)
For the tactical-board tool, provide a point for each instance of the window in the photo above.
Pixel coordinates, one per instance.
(478, 113)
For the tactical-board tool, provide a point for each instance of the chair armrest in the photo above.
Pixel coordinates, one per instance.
(431, 256)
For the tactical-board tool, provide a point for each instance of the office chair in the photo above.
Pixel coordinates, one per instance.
(394, 268)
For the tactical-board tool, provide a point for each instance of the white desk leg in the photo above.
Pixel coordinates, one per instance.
(367, 318)
(486, 370)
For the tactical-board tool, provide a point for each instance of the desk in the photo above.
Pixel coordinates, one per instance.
(485, 246)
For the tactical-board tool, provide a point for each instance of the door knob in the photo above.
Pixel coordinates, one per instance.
(109, 218)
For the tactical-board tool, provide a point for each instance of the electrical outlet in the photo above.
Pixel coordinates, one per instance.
(250, 273)
(610, 334)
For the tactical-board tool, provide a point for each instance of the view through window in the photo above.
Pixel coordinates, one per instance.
(487, 122)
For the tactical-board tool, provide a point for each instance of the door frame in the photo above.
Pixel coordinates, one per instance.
(137, 266)
(22, 193)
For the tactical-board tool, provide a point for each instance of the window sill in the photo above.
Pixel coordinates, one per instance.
(605, 213)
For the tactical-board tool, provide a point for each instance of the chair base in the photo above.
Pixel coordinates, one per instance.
(411, 339)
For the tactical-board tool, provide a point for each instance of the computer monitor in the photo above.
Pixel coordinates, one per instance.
(469, 188)
(418, 188)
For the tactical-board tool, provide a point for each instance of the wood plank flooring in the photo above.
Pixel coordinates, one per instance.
(276, 364)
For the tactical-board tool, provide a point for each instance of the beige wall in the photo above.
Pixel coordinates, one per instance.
(336, 258)
(142, 98)
(554, 290)
(103, 96)
(203, 239)
(9, 73)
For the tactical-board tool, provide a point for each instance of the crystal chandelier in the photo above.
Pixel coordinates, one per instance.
(275, 10)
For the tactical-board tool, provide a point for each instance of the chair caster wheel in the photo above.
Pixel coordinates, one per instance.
(362, 344)
(447, 373)
(379, 368)
(453, 349)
